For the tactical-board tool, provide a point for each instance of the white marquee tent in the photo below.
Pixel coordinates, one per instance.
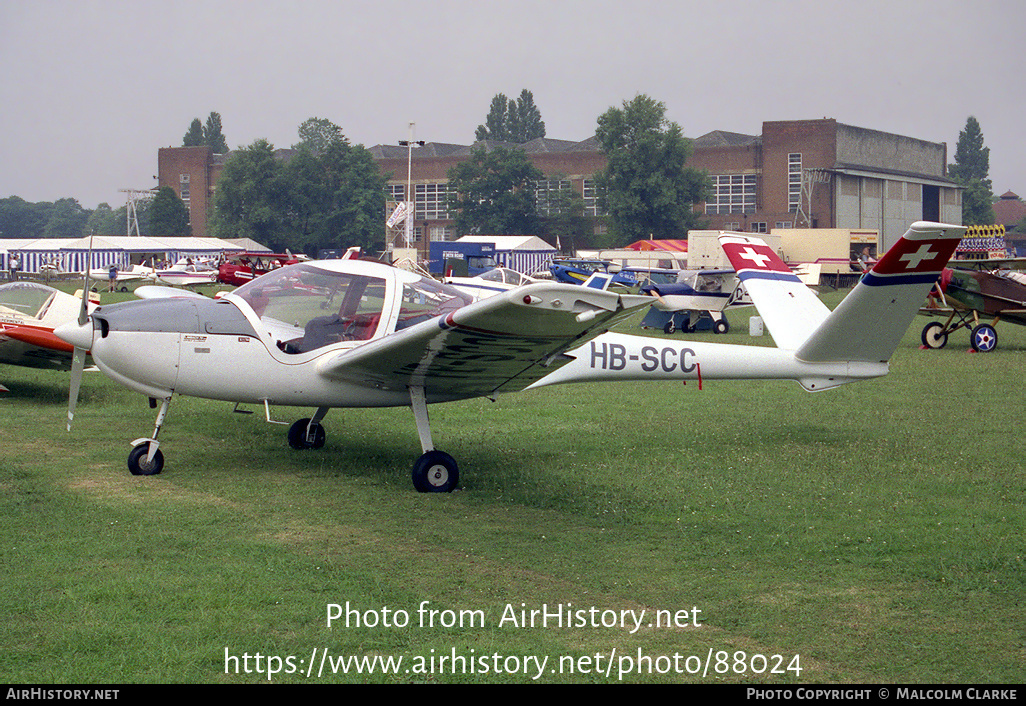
(69, 255)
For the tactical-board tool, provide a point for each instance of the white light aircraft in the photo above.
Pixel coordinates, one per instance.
(29, 312)
(490, 283)
(350, 333)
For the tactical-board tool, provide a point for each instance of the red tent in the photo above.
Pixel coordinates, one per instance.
(667, 245)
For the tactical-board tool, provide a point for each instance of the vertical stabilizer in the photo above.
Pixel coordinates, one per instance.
(790, 310)
(868, 325)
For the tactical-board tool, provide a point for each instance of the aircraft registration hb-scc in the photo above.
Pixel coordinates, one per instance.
(352, 333)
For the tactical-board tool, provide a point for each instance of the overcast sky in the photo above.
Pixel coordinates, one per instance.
(90, 90)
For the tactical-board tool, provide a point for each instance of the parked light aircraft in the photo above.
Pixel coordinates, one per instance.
(239, 268)
(695, 294)
(29, 312)
(963, 296)
(185, 273)
(135, 273)
(350, 333)
(490, 283)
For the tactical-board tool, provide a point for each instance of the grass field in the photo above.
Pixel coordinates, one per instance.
(873, 533)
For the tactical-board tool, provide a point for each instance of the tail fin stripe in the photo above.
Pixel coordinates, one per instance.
(746, 275)
(873, 279)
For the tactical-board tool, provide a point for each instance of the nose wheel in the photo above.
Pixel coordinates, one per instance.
(141, 463)
(145, 458)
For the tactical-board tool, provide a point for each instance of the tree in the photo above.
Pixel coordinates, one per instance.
(22, 219)
(169, 216)
(194, 137)
(315, 134)
(209, 134)
(212, 135)
(646, 188)
(525, 119)
(250, 201)
(336, 197)
(67, 220)
(495, 127)
(970, 170)
(104, 221)
(493, 193)
(516, 121)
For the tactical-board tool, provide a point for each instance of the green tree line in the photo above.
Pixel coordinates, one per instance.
(163, 215)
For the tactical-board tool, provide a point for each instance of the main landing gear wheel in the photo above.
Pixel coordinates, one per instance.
(669, 327)
(721, 326)
(934, 336)
(300, 439)
(435, 472)
(137, 461)
(983, 338)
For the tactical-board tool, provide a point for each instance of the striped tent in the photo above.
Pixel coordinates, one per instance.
(525, 254)
(70, 255)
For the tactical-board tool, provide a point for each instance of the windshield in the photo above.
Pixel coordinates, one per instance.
(26, 298)
(307, 308)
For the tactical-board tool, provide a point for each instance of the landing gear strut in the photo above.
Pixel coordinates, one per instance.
(146, 458)
(435, 471)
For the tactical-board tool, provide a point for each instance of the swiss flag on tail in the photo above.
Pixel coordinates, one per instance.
(916, 256)
(745, 254)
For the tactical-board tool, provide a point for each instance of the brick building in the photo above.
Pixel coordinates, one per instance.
(192, 172)
(824, 174)
(795, 174)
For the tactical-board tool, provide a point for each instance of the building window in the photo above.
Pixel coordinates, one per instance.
(546, 195)
(431, 202)
(758, 228)
(794, 181)
(183, 186)
(395, 192)
(731, 193)
(733, 225)
(441, 233)
(590, 193)
(785, 224)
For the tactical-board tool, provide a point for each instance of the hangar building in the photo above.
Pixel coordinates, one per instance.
(795, 174)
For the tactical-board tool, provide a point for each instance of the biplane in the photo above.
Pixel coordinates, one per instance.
(239, 268)
(976, 300)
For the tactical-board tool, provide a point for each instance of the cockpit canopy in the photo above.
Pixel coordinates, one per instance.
(26, 298)
(310, 305)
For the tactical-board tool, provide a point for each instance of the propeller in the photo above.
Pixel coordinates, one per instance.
(78, 357)
(655, 293)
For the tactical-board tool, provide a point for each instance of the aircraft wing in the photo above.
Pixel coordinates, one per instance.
(156, 291)
(503, 343)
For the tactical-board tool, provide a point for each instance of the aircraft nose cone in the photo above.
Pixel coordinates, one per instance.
(78, 335)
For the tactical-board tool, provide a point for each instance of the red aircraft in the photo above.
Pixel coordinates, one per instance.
(240, 268)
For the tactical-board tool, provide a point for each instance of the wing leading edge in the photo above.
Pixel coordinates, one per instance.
(500, 344)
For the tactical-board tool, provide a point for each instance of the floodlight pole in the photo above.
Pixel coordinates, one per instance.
(408, 144)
